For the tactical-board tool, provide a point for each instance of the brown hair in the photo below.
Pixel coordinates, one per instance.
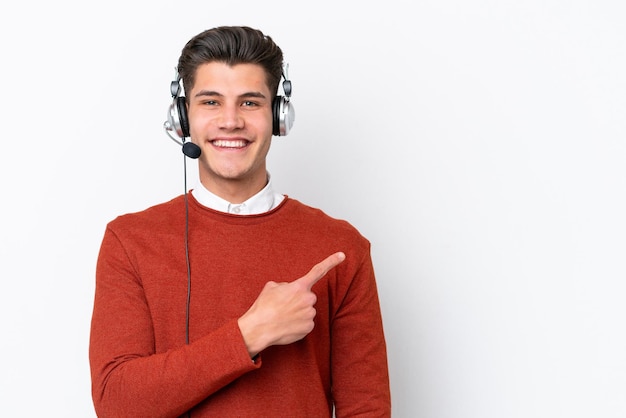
(231, 45)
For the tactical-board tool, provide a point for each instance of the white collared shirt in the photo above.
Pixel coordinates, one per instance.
(262, 202)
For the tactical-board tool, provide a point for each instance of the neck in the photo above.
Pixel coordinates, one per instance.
(234, 191)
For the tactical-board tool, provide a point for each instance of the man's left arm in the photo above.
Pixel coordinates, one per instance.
(359, 368)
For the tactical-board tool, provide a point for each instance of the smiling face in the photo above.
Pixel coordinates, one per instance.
(230, 119)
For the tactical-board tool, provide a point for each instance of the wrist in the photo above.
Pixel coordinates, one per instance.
(251, 337)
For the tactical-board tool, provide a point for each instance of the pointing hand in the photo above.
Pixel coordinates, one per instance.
(283, 312)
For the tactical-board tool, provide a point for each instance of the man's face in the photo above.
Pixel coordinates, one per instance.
(230, 119)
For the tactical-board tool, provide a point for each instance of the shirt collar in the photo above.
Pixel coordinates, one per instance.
(264, 201)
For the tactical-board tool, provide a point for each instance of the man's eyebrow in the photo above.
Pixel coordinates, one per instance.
(213, 93)
(207, 93)
(255, 94)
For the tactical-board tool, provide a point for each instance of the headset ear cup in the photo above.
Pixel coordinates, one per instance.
(283, 116)
(181, 105)
(276, 115)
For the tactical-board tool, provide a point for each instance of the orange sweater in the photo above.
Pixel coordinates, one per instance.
(140, 364)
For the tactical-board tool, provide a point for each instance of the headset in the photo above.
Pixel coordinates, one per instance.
(177, 123)
(177, 128)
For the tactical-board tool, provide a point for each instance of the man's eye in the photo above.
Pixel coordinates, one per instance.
(249, 103)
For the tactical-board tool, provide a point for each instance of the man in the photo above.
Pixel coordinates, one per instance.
(233, 300)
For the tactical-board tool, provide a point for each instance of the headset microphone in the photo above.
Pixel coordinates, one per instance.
(191, 150)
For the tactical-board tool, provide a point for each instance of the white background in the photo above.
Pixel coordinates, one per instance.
(479, 145)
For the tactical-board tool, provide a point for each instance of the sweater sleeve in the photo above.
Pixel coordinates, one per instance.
(129, 379)
(359, 359)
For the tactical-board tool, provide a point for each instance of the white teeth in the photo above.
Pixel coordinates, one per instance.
(229, 144)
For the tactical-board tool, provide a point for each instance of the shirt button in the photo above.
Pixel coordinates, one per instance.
(237, 209)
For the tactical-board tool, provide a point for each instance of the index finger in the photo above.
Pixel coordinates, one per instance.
(320, 269)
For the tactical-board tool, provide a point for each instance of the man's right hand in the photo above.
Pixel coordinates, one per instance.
(284, 312)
